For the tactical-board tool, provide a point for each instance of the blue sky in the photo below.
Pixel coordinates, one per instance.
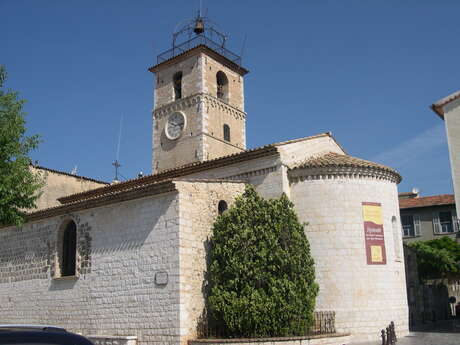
(365, 70)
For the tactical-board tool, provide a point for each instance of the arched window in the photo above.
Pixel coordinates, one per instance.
(226, 132)
(222, 86)
(222, 206)
(177, 81)
(69, 249)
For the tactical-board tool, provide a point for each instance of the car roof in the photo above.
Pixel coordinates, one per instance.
(37, 337)
(31, 327)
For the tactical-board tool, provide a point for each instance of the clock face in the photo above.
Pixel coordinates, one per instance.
(175, 125)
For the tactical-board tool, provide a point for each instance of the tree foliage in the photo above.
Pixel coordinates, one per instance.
(18, 185)
(437, 259)
(261, 274)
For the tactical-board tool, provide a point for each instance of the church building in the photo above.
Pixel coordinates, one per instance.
(127, 260)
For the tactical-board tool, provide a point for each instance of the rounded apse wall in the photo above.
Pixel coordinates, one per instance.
(366, 295)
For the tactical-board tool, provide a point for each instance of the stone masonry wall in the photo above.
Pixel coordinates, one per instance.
(191, 69)
(128, 266)
(300, 150)
(198, 211)
(264, 173)
(365, 297)
(58, 185)
(187, 148)
(235, 81)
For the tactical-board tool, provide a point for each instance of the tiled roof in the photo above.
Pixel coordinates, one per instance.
(427, 201)
(439, 105)
(333, 159)
(174, 173)
(114, 196)
(187, 169)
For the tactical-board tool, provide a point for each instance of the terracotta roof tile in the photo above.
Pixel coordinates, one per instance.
(340, 160)
(427, 201)
(186, 170)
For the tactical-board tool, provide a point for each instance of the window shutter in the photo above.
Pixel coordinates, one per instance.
(436, 224)
(417, 225)
(455, 221)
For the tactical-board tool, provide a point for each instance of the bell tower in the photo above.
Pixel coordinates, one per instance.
(198, 109)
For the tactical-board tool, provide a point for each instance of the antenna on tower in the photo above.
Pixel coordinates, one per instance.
(243, 45)
(117, 164)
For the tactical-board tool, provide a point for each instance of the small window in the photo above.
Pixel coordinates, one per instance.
(445, 222)
(410, 225)
(226, 132)
(177, 82)
(69, 250)
(222, 86)
(222, 206)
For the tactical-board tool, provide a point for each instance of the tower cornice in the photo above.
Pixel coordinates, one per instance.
(198, 50)
(197, 98)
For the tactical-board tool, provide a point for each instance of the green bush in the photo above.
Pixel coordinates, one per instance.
(437, 259)
(261, 274)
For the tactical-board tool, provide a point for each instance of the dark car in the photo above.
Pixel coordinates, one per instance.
(39, 335)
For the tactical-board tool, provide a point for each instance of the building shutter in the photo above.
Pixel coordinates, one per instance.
(436, 223)
(417, 225)
(455, 221)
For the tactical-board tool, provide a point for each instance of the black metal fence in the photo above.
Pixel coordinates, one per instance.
(195, 42)
(389, 335)
(323, 323)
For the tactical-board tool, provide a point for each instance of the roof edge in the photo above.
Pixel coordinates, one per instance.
(342, 168)
(103, 200)
(201, 48)
(175, 172)
(68, 174)
(438, 107)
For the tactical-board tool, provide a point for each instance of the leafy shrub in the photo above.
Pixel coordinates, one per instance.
(437, 259)
(261, 274)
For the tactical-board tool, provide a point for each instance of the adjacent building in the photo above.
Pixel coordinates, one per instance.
(429, 217)
(448, 109)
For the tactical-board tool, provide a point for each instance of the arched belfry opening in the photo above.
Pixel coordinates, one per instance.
(222, 86)
(177, 84)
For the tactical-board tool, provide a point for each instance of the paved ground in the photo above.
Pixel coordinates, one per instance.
(424, 338)
(440, 333)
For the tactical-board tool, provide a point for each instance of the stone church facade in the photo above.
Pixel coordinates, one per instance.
(128, 259)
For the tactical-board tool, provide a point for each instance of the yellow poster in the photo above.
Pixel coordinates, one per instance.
(373, 213)
(373, 233)
(376, 254)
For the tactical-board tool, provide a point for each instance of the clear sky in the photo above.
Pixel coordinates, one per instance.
(365, 70)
